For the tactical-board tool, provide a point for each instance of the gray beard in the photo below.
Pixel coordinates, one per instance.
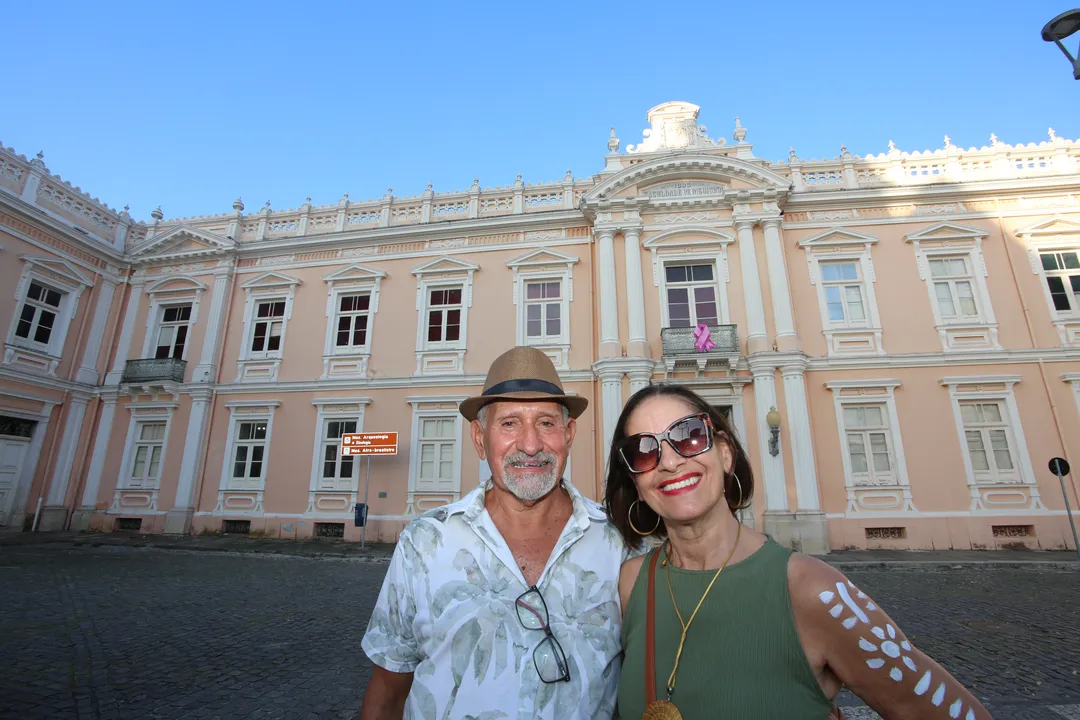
(532, 486)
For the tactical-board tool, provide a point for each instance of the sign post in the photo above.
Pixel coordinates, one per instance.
(1060, 467)
(368, 444)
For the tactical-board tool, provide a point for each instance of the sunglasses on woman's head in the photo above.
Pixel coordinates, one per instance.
(688, 436)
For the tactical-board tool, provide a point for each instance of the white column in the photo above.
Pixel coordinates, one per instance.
(206, 370)
(638, 344)
(123, 345)
(54, 515)
(639, 378)
(786, 338)
(101, 450)
(802, 446)
(772, 467)
(611, 400)
(178, 519)
(88, 371)
(610, 346)
(755, 307)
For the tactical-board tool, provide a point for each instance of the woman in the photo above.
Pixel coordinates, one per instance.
(742, 628)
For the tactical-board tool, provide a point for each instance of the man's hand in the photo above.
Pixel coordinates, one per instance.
(385, 696)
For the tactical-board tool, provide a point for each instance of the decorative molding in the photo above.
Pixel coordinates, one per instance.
(873, 497)
(995, 388)
(182, 242)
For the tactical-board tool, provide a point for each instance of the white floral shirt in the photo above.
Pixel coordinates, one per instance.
(446, 613)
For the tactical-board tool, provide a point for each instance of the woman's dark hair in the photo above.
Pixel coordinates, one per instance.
(620, 491)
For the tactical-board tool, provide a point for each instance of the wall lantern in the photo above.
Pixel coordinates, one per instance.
(1060, 28)
(773, 420)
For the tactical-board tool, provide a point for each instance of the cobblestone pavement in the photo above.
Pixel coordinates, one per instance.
(118, 632)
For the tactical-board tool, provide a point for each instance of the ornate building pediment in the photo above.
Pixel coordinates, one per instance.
(686, 180)
(181, 243)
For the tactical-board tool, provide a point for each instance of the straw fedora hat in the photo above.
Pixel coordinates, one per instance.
(523, 373)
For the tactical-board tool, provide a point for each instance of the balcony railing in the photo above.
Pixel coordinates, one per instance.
(154, 370)
(680, 341)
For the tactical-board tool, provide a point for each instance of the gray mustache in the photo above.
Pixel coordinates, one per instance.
(520, 457)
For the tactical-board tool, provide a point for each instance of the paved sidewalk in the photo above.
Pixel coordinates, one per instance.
(845, 560)
(205, 543)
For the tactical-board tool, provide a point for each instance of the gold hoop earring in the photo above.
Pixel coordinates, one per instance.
(630, 519)
(739, 482)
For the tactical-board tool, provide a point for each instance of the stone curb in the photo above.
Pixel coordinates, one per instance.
(284, 548)
(852, 566)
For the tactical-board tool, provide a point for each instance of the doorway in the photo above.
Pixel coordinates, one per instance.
(15, 435)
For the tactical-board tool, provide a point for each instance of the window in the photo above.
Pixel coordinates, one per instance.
(543, 311)
(868, 432)
(352, 321)
(249, 450)
(954, 288)
(37, 317)
(172, 332)
(438, 447)
(1062, 270)
(149, 446)
(987, 436)
(871, 445)
(337, 470)
(691, 295)
(844, 295)
(269, 323)
(444, 315)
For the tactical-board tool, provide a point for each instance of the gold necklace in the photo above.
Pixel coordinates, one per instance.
(665, 710)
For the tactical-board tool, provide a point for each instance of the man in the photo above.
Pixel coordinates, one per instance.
(504, 604)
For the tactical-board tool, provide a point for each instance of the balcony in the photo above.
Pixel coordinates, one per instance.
(153, 372)
(682, 354)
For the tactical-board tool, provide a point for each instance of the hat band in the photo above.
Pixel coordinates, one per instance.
(527, 385)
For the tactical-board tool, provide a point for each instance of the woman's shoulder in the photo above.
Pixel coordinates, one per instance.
(808, 578)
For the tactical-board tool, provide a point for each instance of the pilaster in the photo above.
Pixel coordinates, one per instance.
(772, 467)
(612, 402)
(123, 345)
(757, 339)
(81, 518)
(33, 179)
(638, 343)
(786, 338)
(640, 378)
(54, 514)
(802, 445)
(178, 519)
(88, 371)
(206, 370)
(611, 372)
(610, 345)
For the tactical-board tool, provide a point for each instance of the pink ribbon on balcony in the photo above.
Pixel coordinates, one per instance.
(703, 338)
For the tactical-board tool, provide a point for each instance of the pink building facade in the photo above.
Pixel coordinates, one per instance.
(895, 337)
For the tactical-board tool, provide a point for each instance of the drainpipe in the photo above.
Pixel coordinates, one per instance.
(1031, 336)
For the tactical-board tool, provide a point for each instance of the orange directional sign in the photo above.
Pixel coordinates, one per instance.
(372, 443)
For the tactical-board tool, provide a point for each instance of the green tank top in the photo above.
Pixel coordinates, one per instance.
(742, 658)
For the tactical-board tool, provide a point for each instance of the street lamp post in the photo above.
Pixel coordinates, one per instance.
(1060, 28)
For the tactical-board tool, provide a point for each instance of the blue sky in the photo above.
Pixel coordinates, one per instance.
(189, 104)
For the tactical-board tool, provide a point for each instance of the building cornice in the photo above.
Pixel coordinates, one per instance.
(445, 230)
(941, 359)
(845, 199)
(31, 214)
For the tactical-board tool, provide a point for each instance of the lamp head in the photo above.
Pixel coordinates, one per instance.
(1062, 26)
